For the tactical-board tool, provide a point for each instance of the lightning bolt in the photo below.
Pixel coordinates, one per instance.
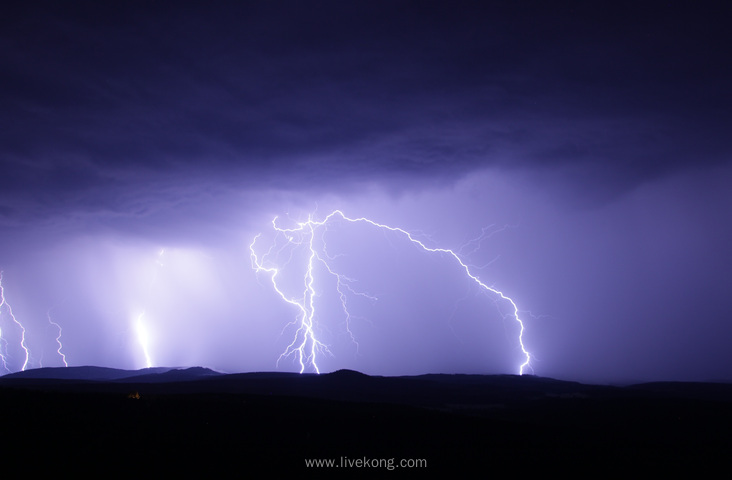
(58, 337)
(141, 331)
(3, 352)
(306, 346)
(4, 303)
(143, 339)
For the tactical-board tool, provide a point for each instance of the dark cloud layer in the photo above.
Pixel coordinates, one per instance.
(94, 94)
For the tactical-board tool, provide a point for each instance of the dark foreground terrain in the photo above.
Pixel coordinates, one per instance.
(196, 421)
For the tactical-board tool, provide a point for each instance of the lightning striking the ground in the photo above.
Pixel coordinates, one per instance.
(4, 342)
(58, 338)
(143, 339)
(140, 326)
(306, 347)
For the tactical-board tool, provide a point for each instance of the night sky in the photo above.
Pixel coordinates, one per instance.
(144, 145)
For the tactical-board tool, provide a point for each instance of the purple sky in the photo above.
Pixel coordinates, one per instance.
(592, 139)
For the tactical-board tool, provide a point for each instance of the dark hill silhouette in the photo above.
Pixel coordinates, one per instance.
(83, 373)
(172, 375)
(197, 421)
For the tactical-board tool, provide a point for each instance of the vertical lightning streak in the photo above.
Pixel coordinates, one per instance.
(58, 338)
(309, 334)
(305, 339)
(3, 302)
(141, 331)
(307, 314)
(3, 349)
(143, 339)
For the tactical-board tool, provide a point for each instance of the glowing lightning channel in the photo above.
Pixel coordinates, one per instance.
(58, 338)
(141, 331)
(143, 339)
(4, 303)
(305, 346)
(3, 348)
